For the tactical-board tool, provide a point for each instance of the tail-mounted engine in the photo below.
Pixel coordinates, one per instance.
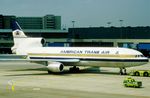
(33, 42)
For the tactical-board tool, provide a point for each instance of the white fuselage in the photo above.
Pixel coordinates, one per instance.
(56, 57)
(90, 56)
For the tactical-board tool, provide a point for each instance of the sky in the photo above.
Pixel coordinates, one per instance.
(85, 13)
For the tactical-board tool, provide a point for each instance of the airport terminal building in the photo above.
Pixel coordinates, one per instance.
(128, 37)
(45, 22)
(49, 27)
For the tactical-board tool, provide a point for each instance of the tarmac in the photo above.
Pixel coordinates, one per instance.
(29, 80)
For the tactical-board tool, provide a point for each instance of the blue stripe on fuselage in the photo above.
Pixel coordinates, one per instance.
(91, 59)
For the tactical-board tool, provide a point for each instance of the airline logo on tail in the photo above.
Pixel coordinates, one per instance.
(15, 25)
(17, 31)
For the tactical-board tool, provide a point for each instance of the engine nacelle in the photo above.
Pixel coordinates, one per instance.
(34, 42)
(55, 67)
(23, 43)
(29, 42)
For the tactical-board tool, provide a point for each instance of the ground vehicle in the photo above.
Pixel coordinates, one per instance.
(130, 82)
(145, 73)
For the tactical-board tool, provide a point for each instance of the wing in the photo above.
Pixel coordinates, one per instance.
(23, 58)
(39, 61)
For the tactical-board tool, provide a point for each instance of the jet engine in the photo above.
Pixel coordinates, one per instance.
(35, 42)
(23, 43)
(55, 67)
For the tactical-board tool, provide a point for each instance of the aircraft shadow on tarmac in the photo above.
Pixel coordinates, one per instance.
(64, 73)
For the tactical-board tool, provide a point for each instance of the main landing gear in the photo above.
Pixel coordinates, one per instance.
(123, 71)
(74, 69)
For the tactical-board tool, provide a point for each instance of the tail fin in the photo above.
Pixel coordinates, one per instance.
(17, 31)
(17, 34)
(15, 25)
(21, 42)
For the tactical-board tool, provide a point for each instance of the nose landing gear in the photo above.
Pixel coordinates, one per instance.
(123, 71)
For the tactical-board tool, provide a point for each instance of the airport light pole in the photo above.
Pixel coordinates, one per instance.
(109, 23)
(73, 23)
(121, 25)
(73, 33)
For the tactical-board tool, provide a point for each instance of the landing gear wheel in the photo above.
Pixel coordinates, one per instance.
(74, 69)
(49, 72)
(123, 71)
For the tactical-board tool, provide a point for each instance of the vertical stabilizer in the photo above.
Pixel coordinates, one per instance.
(23, 43)
(17, 31)
(18, 34)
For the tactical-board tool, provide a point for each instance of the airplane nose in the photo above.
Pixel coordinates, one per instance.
(143, 61)
(146, 60)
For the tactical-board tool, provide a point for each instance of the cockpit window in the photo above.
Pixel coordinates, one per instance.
(139, 56)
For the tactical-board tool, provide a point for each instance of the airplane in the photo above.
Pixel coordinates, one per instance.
(55, 58)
